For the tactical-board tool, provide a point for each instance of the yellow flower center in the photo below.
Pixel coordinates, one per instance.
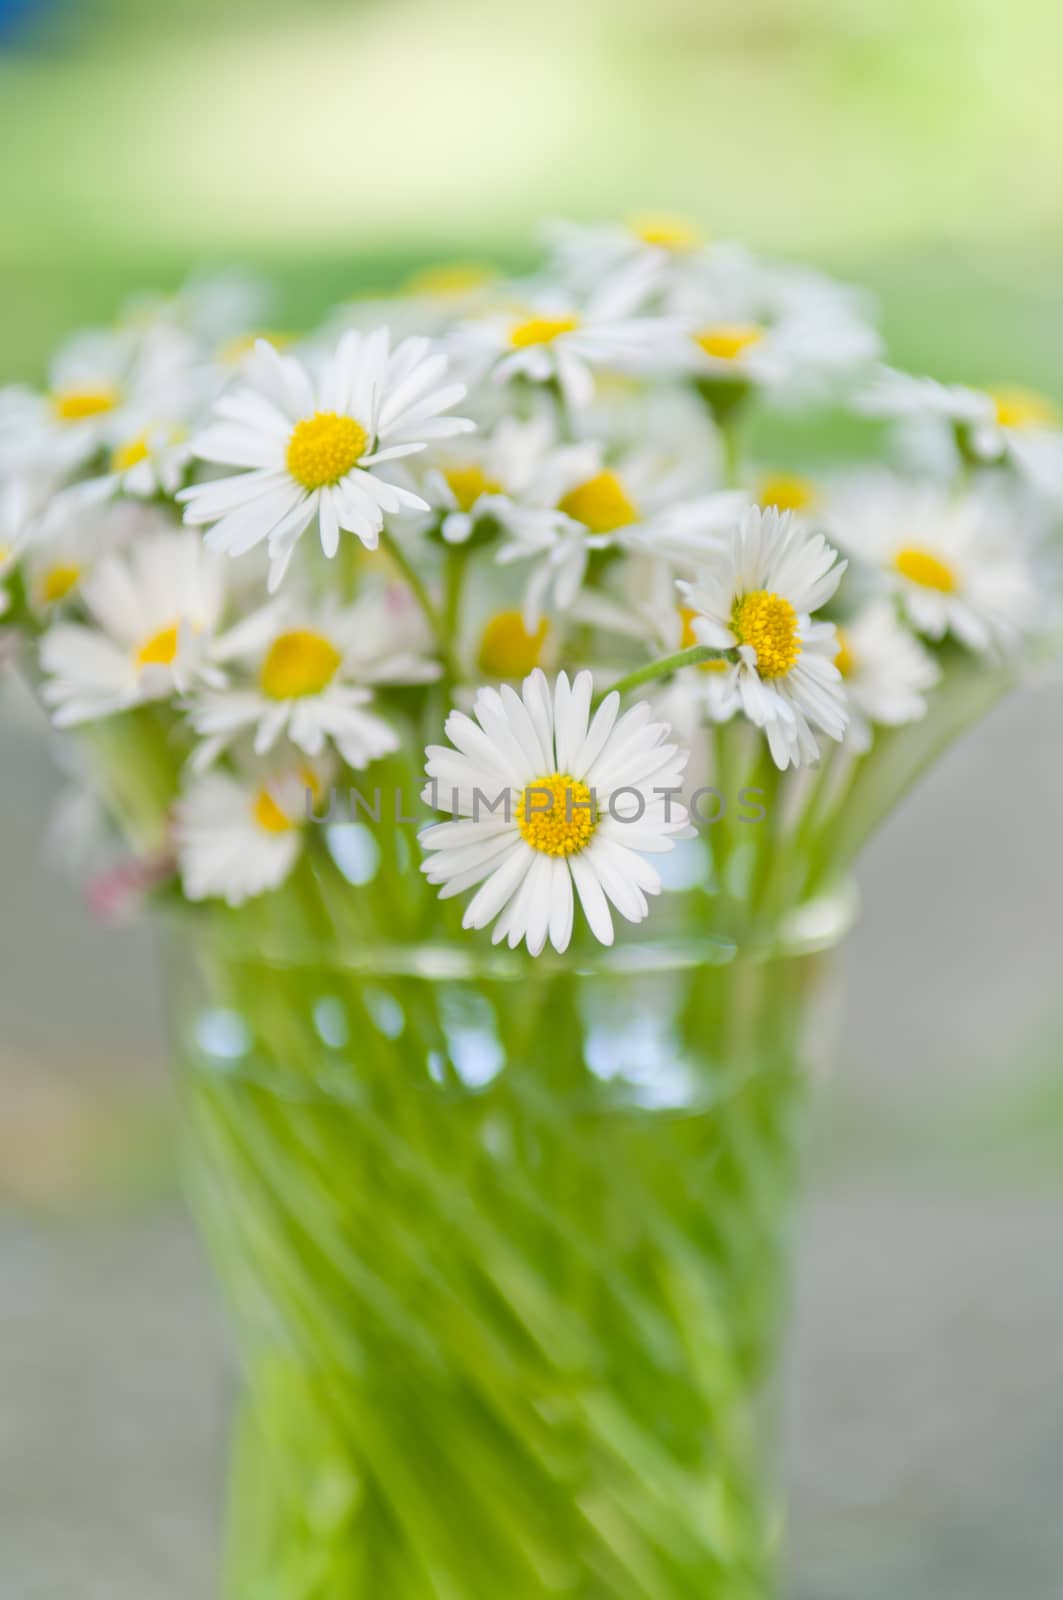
(507, 649)
(667, 233)
(767, 623)
(160, 650)
(297, 664)
(57, 583)
(268, 814)
(540, 330)
(555, 815)
(845, 661)
(450, 279)
(467, 484)
(787, 491)
(728, 341)
(323, 449)
(75, 404)
(925, 568)
(1023, 408)
(131, 454)
(688, 639)
(601, 504)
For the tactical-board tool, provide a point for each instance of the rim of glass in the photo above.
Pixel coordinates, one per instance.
(817, 925)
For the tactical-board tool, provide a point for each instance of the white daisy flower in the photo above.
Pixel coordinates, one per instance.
(579, 802)
(757, 597)
(153, 617)
(213, 308)
(311, 449)
(776, 327)
(637, 504)
(583, 254)
(651, 613)
(237, 837)
(498, 476)
(19, 508)
(431, 300)
(886, 671)
(953, 561)
(59, 430)
(564, 338)
(103, 388)
(70, 542)
(310, 669)
(1005, 423)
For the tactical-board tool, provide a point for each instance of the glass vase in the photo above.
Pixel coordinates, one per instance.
(505, 1245)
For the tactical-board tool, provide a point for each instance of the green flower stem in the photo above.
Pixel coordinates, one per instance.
(424, 600)
(454, 578)
(663, 668)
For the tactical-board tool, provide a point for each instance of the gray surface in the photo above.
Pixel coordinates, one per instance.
(926, 1440)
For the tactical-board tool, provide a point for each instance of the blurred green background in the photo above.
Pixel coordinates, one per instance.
(914, 146)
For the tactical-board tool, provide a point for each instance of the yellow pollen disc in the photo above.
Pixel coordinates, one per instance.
(467, 484)
(297, 664)
(58, 582)
(667, 233)
(845, 661)
(925, 568)
(1023, 408)
(160, 650)
(449, 279)
(787, 491)
(507, 649)
(540, 330)
(768, 623)
(728, 341)
(131, 454)
(75, 405)
(268, 814)
(554, 814)
(601, 504)
(323, 449)
(688, 639)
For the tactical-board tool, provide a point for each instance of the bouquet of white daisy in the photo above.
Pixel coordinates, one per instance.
(503, 1227)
